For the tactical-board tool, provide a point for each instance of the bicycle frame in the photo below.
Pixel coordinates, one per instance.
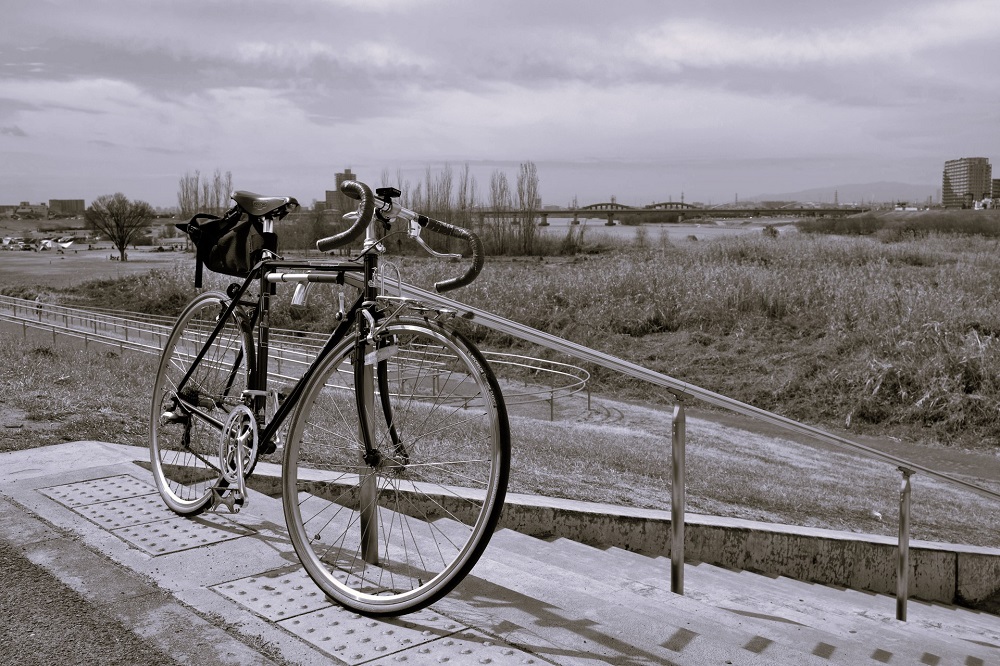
(396, 433)
(264, 274)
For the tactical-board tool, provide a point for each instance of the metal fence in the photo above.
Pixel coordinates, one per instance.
(290, 353)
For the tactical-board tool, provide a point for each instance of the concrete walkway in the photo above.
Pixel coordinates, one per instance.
(228, 589)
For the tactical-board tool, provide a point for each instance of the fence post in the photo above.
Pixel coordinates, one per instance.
(677, 501)
(903, 561)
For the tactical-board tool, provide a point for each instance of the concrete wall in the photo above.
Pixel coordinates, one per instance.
(938, 572)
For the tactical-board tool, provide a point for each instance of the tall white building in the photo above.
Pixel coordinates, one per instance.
(965, 181)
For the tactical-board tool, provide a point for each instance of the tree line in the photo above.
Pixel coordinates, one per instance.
(504, 216)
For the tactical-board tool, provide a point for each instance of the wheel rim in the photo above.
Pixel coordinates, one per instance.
(398, 530)
(185, 443)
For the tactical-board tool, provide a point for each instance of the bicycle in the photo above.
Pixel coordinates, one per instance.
(395, 443)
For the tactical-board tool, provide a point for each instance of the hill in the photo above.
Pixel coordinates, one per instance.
(883, 191)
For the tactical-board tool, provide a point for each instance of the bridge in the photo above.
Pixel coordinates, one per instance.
(613, 210)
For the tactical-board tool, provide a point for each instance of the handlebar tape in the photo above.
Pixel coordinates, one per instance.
(362, 193)
(475, 244)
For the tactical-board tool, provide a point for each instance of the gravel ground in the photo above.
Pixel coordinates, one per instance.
(46, 622)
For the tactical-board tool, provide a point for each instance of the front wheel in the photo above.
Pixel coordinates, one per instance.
(392, 527)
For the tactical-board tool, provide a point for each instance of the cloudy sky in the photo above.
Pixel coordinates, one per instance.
(640, 100)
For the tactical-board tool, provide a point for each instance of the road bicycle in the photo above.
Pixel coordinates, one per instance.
(394, 443)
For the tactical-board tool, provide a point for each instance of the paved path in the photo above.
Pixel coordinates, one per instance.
(99, 543)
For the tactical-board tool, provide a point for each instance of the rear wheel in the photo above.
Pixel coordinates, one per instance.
(187, 450)
(393, 528)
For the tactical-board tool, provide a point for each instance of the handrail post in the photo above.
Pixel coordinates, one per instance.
(903, 560)
(677, 501)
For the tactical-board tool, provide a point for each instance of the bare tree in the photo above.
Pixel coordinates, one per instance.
(501, 204)
(188, 195)
(204, 196)
(527, 202)
(120, 219)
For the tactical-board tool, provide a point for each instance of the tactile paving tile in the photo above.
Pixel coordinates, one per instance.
(467, 647)
(276, 595)
(355, 639)
(170, 536)
(127, 512)
(98, 490)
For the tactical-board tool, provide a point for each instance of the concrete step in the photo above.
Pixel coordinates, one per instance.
(716, 585)
(518, 597)
(628, 599)
(881, 637)
(526, 602)
(803, 600)
(810, 598)
(856, 614)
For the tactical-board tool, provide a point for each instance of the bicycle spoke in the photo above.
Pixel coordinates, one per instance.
(435, 477)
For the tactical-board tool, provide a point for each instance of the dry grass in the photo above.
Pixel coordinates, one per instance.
(738, 473)
(51, 394)
(899, 338)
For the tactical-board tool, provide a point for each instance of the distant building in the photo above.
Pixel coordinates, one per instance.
(337, 200)
(996, 192)
(27, 209)
(966, 181)
(67, 207)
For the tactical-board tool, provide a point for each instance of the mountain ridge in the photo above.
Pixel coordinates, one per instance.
(880, 191)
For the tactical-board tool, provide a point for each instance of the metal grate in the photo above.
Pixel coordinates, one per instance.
(355, 639)
(127, 512)
(289, 597)
(131, 509)
(170, 536)
(93, 491)
(276, 595)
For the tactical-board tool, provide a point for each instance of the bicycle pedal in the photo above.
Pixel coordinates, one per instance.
(232, 500)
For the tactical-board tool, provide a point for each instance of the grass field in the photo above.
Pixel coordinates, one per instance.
(50, 270)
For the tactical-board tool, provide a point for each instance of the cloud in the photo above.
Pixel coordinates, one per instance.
(266, 86)
(14, 130)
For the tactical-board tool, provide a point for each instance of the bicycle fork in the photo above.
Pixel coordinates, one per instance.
(371, 371)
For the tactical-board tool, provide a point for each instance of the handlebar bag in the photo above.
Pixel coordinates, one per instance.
(231, 245)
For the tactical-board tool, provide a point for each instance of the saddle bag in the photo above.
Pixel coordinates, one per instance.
(231, 245)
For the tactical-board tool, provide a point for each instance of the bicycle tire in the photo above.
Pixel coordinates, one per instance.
(184, 444)
(428, 501)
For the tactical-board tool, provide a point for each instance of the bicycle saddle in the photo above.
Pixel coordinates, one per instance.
(259, 205)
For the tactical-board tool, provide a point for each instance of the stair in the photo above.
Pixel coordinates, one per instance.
(568, 603)
(527, 601)
(617, 605)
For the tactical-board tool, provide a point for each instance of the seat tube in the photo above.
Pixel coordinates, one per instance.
(263, 339)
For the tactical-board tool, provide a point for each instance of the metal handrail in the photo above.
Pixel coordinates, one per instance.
(682, 392)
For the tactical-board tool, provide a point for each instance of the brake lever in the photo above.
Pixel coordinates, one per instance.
(415, 235)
